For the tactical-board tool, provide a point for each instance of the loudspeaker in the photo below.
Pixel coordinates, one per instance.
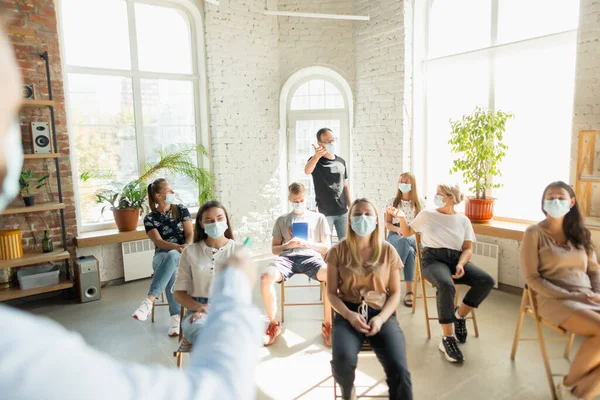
(40, 132)
(28, 92)
(87, 275)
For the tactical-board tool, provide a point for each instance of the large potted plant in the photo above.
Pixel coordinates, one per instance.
(477, 140)
(26, 181)
(129, 200)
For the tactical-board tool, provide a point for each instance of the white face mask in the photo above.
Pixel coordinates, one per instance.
(299, 207)
(331, 148)
(170, 198)
(405, 187)
(216, 230)
(13, 155)
(438, 200)
(363, 225)
(557, 208)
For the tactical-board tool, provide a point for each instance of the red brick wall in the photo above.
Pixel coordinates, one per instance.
(32, 28)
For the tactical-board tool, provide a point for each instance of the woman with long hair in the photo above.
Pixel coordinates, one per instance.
(407, 199)
(213, 244)
(447, 239)
(363, 286)
(560, 265)
(169, 226)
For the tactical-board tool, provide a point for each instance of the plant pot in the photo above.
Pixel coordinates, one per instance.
(479, 210)
(29, 200)
(126, 219)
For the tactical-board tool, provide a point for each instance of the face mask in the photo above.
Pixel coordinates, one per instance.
(216, 230)
(405, 187)
(299, 207)
(438, 200)
(330, 148)
(170, 198)
(557, 208)
(363, 225)
(13, 155)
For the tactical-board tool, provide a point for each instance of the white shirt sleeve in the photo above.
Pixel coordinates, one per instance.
(469, 232)
(183, 278)
(419, 221)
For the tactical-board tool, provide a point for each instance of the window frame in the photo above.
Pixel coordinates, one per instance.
(193, 14)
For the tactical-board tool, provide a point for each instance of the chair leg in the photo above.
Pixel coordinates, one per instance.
(162, 297)
(282, 302)
(475, 327)
(544, 352)
(425, 307)
(321, 291)
(569, 345)
(153, 308)
(179, 360)
(515, 345)
(416, 293)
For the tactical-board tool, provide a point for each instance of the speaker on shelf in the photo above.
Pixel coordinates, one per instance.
(40, 132)
(28, 92)
(87, 276)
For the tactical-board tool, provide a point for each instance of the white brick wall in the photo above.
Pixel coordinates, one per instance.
(243, 84)
(305, 42)
(378, 140)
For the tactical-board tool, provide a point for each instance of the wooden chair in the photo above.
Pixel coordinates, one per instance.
(162, 303)
(419, 279)
(529, 308)
(321, 285)
(183, 346)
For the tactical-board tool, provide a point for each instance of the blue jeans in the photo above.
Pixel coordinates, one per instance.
(340, 222)
(191, 330)
(407, 250)
(165, 269)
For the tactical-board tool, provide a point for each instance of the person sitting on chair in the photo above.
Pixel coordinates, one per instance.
(169, 226)
(213, 243)
(296, 255)
(560, 265)
(447, 239)
(363, 273)
(407, 199)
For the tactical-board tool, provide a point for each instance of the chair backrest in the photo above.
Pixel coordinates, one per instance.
(534, 312)
(181, 315)
(418, 241)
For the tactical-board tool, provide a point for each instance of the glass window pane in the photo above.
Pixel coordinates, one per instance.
(456, 26)
(317, 102)
(102, 119)
(302, 90)
(300, 103)
(535, 84)
(317, 87)
(88, 41)
(330, 88)
(334, 101)
(518, 19)
(163, 38)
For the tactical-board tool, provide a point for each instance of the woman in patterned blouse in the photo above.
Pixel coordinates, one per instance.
(170, 227)
(407, 199)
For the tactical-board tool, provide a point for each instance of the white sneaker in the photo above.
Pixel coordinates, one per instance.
(141, 314)
(564, 393)
(174, 325)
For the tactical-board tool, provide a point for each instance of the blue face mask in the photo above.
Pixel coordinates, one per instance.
(216, 230)
(13, 155)
(363, 225)
(438, 200)
(557, 208)
(405, 187)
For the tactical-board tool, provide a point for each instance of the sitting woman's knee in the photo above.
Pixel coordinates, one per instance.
(267, 278)
(487, 281)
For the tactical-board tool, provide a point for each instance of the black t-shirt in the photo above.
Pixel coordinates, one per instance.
(330, 191)
(169, 229)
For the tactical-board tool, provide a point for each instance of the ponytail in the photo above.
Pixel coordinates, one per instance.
(152, 189)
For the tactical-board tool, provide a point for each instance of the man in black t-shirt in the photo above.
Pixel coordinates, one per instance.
(330, 178)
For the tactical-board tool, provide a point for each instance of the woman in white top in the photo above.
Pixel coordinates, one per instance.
(447, 238)
(407, 199)
(213, 244)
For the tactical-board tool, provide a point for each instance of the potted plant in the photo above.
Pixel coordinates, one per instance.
(477, 139)
(128, 201)
(26, 181)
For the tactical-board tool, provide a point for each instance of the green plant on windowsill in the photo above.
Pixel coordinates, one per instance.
(129, 200)
(477, 139)
(27, 180)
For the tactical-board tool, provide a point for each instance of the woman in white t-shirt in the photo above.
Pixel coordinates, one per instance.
(213, 244)
(407, 199)
(447, 238)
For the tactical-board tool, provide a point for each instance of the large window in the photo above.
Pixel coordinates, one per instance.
(132, 91)
(503, 54)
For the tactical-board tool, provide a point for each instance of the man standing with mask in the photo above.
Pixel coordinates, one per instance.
(330, 178)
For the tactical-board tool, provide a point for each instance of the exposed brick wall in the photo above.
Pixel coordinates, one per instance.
(379, 138)
(243, 83)
(305, 42)
(33, 29)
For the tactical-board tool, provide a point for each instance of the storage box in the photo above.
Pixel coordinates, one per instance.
(36, 277)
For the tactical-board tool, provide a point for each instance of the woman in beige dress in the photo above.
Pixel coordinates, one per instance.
(560, 265)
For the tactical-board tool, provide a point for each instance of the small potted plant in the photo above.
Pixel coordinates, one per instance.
(27, 181)
(477, 139)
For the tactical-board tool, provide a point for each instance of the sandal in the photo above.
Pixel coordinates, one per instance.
(408, 302)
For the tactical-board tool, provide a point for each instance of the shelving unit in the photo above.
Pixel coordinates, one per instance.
(33, 258)
(588, 179)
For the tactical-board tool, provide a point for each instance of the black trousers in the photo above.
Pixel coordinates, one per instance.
(388, 345)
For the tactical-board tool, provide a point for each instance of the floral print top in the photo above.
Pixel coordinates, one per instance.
(169, 229)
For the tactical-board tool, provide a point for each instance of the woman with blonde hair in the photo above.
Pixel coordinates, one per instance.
(363, 286)
(407, 199)
(447, 238)
(560, 265)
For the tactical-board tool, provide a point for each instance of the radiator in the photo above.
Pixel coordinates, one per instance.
(137, 259)
(485, 256)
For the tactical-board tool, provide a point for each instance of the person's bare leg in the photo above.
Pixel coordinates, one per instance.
(322, 276)
(151, 298)
(267, 292)
(448, 329)
(464, 310)
(409, 288)
(589, 386)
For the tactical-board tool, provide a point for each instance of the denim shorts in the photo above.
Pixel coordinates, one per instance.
(298, 264)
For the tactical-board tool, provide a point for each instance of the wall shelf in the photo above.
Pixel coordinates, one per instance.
(31, 258)
(41, 156)
(38, 103)
(16, 293)
(32, 209)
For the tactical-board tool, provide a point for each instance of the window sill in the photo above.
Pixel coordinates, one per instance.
(108, 236)
(502, 228)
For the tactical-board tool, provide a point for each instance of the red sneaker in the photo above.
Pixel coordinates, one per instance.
(326, 331)
(272, 332)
